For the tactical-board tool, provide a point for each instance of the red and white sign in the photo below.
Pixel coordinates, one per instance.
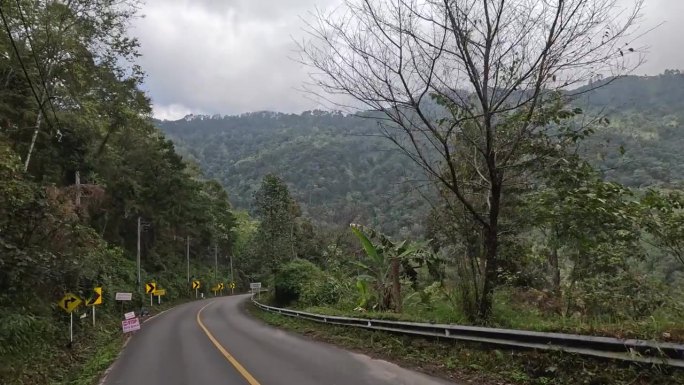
(129, 315)
(130, 325)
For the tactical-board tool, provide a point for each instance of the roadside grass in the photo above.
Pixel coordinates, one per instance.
(467, 363)
(662, 325)
(52, 361)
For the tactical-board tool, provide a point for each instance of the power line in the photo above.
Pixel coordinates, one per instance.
(23, 67)
(38, 67)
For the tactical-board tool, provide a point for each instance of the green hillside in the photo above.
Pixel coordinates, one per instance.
(340, 172)
(336, 170)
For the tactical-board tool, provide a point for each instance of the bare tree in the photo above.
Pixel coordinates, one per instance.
(470, 89)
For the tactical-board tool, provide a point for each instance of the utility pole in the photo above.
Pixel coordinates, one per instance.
(78, 189)
(215, 261)
(187, 256)
(138, 257)
(232, 278)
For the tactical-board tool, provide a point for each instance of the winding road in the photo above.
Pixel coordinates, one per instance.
(214, 342)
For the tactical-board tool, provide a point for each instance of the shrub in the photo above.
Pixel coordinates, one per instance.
(621, 296)
(303, 282)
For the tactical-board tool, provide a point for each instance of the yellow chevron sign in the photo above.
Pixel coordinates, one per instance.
(96, 299)
(150, 287)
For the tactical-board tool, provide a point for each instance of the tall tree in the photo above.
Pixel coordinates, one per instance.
(277, 212)
(471, 87)
(60, 50)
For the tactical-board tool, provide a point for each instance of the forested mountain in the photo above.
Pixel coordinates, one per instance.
(646, 116)
(340, 171)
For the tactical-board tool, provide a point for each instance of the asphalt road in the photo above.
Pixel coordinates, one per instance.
(214, 342)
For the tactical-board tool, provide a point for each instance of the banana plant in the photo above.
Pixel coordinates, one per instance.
(382, 267)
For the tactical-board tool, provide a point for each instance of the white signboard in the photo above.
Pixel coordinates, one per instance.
(124, 296)
(255, 285)
(130, 325)
(129, 315)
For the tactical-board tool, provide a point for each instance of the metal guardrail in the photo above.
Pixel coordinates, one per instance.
(642, 351)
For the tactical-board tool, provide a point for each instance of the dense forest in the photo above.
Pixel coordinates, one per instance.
(81, 167)
(340, 170)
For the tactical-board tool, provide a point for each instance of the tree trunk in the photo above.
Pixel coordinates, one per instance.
(474, 255)
(491, 246)
(555, 270)
(36, 130)
(396, 285)
(39, 119)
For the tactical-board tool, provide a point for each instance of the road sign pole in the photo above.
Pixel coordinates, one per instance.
(195, 293)
(187, 257)
(159, 300)
(93, 316)
(71, 327)
(150, 299)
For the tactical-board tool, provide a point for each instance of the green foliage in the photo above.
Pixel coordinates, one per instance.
(663, 218)
(340, 173)
(274, 240)
(382, 267)
(622, 296)
(335, 169)
(364, 293)
(92, 125)
(303, 282)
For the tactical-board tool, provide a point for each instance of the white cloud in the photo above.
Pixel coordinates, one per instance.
(664, 43)
(232, 56)
(222, 57)
(172, 111)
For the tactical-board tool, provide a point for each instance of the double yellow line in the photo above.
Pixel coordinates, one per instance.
(241, 369)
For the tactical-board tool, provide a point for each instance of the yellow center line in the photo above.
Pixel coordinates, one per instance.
(241, 369)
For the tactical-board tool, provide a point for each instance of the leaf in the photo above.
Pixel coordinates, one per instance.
(366, 243)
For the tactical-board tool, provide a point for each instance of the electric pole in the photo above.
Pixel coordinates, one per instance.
(215, 261)
(232, 278)
(78, 189)
(138, 256)
(187, 256)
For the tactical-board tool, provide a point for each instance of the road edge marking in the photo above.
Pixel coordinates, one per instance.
(247, 376)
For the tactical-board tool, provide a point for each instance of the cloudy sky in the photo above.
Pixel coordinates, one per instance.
(233, 56)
